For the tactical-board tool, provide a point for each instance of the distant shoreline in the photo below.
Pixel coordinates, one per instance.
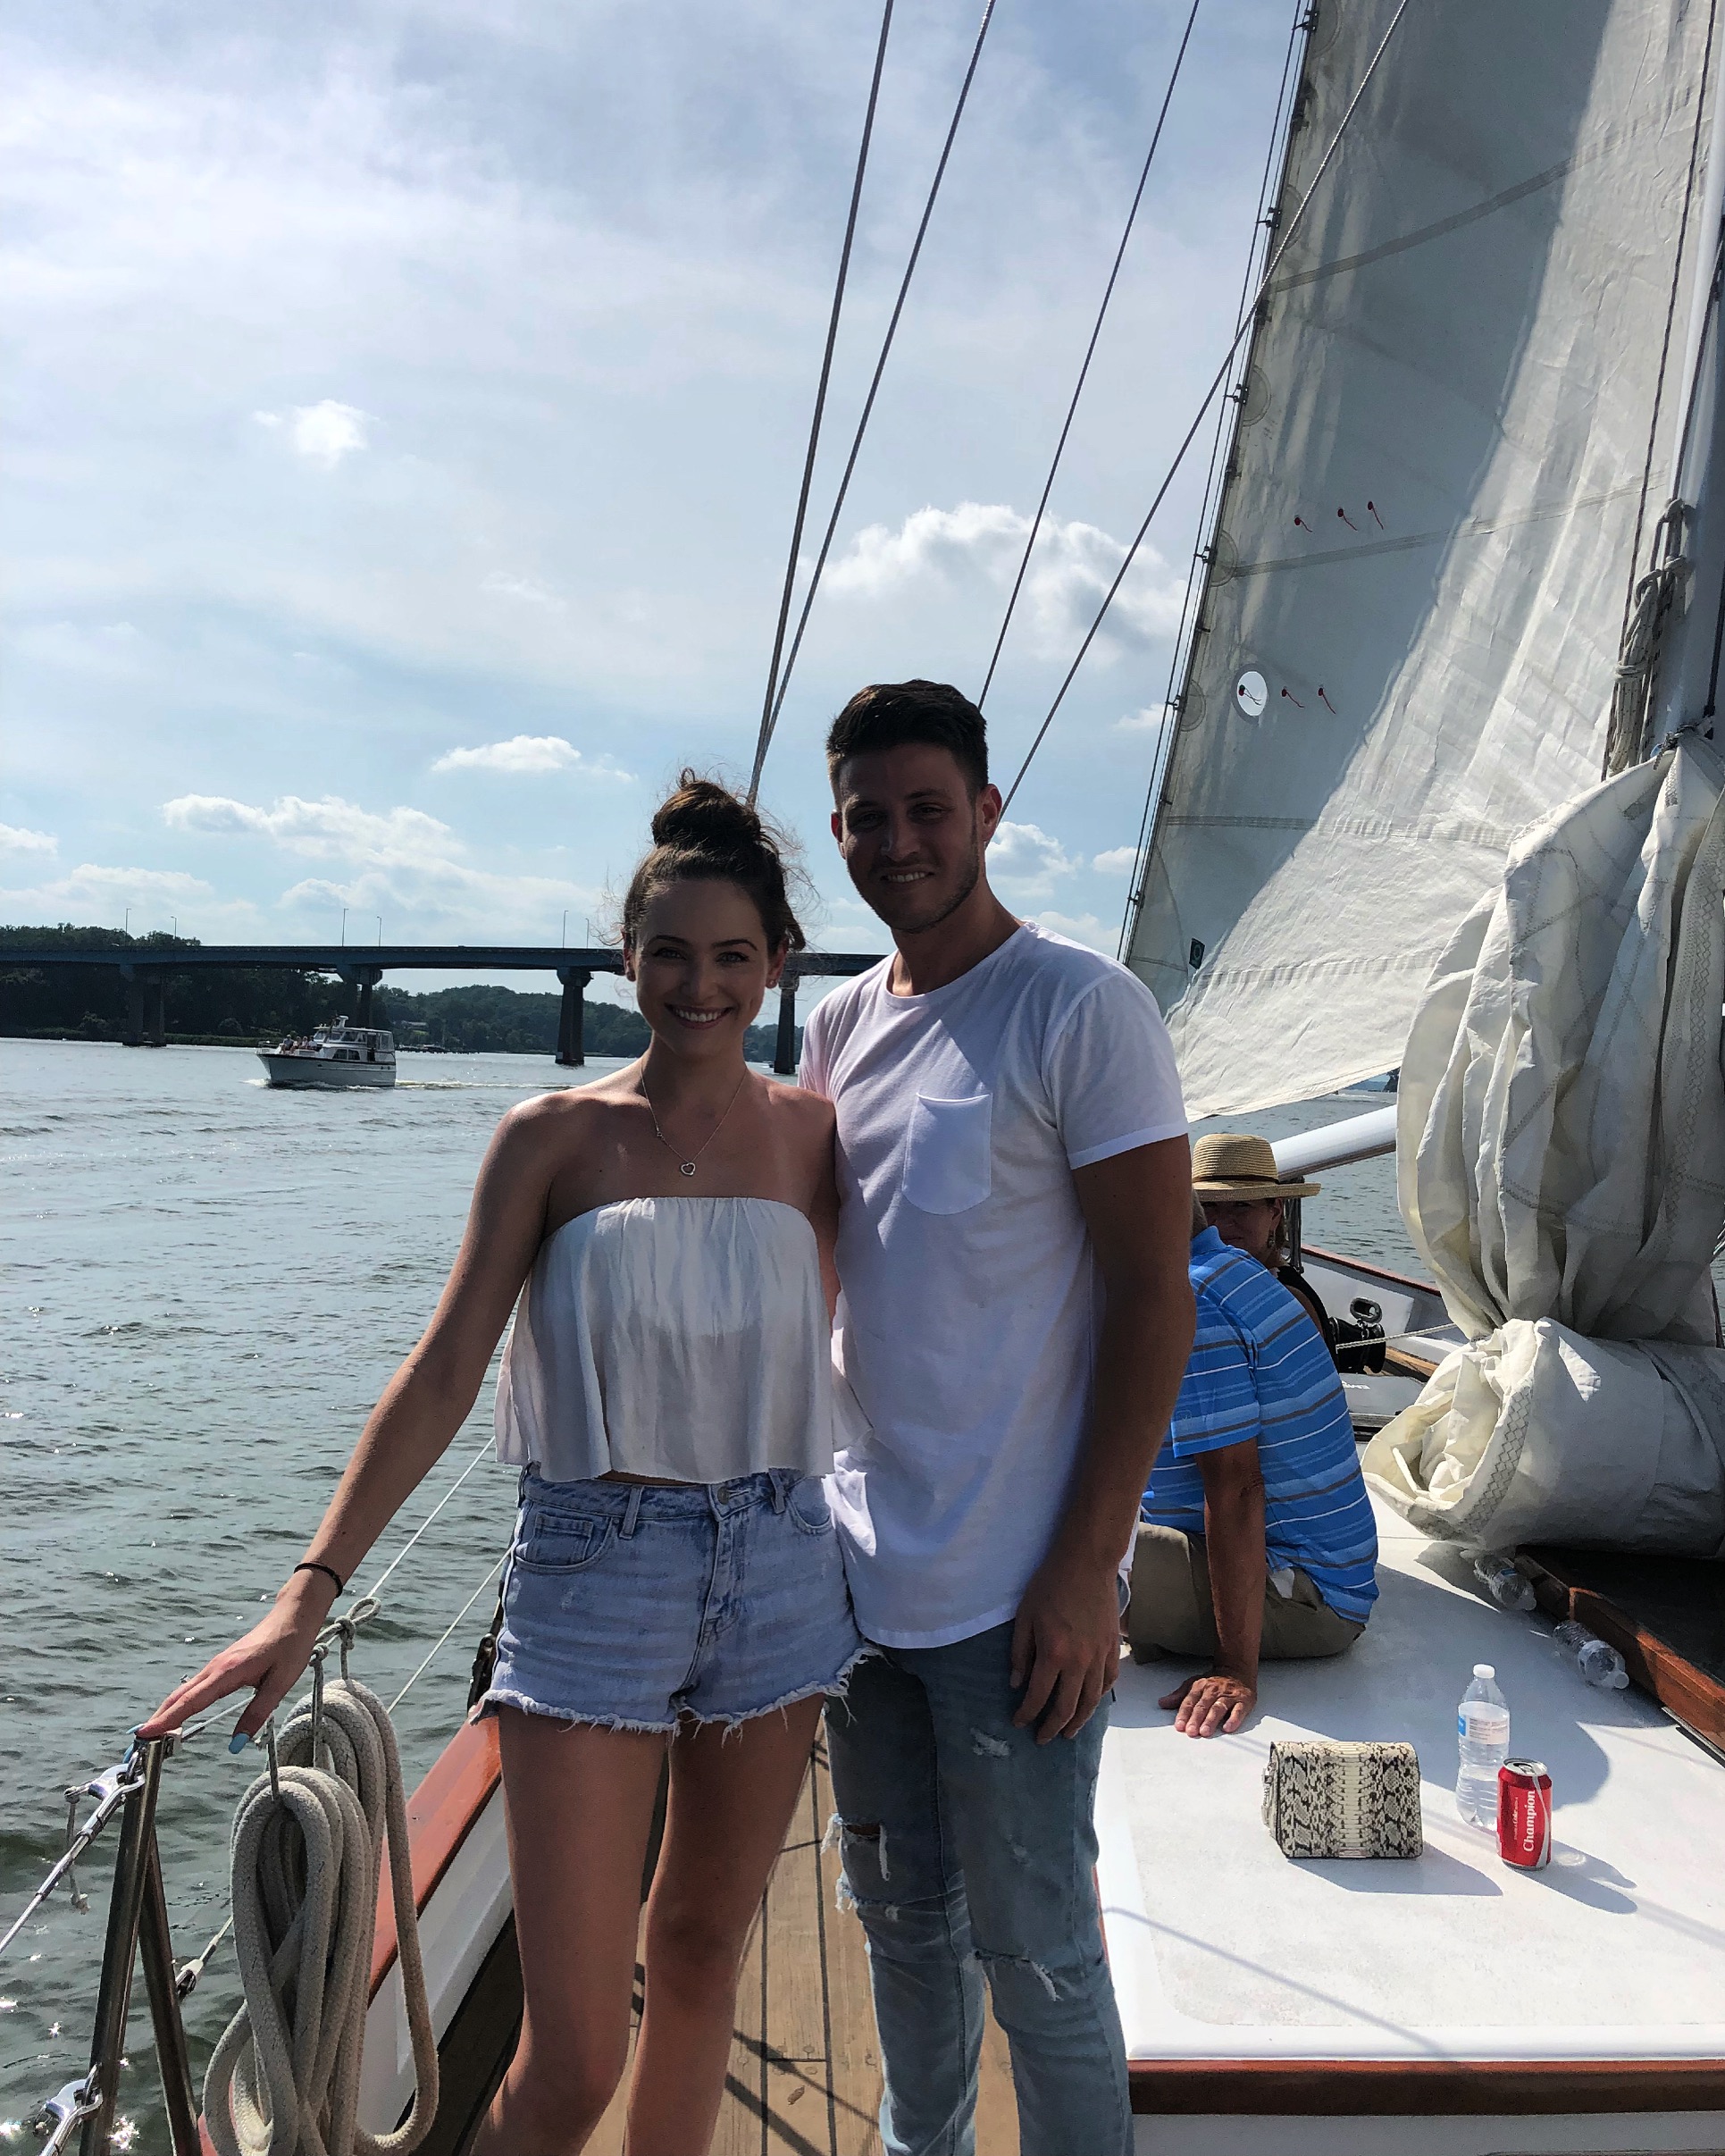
(226, 1040)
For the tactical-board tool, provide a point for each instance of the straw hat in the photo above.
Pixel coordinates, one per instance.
(1229, 1165)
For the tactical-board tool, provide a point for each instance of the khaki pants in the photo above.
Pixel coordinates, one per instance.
(1170, 1613)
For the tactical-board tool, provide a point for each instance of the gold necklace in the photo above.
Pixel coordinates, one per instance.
(688, 1166)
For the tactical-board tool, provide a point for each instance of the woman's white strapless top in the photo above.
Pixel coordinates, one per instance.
(681, 1337)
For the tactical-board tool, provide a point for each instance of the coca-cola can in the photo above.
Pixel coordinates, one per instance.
(1524, 1814)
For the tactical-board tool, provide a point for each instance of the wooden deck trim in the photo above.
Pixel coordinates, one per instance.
(440, 1814)
(1377, 1272)
(1422, 2087)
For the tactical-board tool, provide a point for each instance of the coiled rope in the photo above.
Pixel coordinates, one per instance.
(308, 1843)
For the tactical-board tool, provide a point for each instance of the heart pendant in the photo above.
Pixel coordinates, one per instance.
(688, 1166)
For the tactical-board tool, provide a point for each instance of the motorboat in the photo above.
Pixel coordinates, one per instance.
(337, 1055)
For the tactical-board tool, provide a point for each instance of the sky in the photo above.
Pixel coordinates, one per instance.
(405, 406)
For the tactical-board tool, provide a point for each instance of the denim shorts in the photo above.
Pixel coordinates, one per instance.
(635, 1607)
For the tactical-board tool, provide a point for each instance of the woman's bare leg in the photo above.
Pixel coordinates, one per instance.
(731, 1797)
(580, 1807)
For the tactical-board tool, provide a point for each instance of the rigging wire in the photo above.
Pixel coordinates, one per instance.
(377, 1584)
(1221, 377)
(776, 704)
(820, 393)
(1186, 635)
(1089, 353)
(444, 1638)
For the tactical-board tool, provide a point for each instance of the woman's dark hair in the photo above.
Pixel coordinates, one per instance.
(705, 832)
(888, 714)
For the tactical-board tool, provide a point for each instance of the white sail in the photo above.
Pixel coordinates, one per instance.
(1454, 433)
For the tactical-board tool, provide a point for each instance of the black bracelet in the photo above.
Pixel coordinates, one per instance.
(312, 1565)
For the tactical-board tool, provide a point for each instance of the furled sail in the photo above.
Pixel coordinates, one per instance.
(1560, 1155)
(1455, 436)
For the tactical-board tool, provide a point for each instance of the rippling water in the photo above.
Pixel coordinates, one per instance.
(212, 1283)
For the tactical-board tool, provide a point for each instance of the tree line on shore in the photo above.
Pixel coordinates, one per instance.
(251, 1003)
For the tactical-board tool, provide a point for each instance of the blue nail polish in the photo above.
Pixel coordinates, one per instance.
(237, 1741)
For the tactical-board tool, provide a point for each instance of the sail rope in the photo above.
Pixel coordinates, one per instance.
(1221, 375)
(309, 1842)
(1654, 596)
(820, 392)
(775, 697)
(1089, 353)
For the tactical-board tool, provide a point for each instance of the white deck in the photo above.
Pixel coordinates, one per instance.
(1221, 1949)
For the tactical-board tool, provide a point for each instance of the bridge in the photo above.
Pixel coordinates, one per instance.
(145, 968)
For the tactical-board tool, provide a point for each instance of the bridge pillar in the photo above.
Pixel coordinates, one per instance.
(785, 1052)
(156, 1010)
(571, 1017)
(362, 980)
(133, 1036)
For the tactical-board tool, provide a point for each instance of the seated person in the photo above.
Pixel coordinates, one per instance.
(1233, 1178)
(1255, 1536)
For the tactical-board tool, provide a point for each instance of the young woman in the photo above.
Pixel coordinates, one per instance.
(675, 1579)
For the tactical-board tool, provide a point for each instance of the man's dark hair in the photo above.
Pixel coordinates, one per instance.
(888, 714)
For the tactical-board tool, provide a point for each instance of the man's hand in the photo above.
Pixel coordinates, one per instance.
(1066, 1645)
(1210, 1707)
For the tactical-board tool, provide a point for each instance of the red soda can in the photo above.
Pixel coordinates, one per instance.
(1524, 1814)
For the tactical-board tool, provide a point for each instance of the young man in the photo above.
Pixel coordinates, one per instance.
(1258, 1540)
(1015, 1188)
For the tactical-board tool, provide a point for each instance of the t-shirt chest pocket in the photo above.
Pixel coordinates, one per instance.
(946, 1155)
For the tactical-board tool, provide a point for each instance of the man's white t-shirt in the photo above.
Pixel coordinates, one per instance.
(968, 1318)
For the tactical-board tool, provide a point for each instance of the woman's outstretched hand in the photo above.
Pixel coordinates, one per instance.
(270, 1658)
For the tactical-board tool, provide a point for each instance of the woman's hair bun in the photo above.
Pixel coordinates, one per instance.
(704, 830)
(701, 813)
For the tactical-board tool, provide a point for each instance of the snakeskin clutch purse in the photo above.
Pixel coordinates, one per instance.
(1326, 1799)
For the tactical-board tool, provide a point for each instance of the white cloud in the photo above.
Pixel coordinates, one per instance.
(1069, 572)
(501, 585)
(402, 864)
(16, 840)
(328, 829)
(531, 752)
(96, 896)
(1150, 720)
(1118, 860)
(322, 433)
(1082, 928)
(1027, 860)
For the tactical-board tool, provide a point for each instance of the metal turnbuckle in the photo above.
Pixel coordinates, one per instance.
(65, 2111)
(109, 1791)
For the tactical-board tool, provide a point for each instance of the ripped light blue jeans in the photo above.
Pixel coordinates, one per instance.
(969, 1852)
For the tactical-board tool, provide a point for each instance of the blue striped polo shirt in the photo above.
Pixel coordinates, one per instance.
(1259, 1370)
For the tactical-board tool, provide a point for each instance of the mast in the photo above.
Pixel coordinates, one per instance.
(1685, 684)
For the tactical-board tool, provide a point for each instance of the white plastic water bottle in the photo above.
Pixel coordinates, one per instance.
(1599, 1662)
(1482, 1729)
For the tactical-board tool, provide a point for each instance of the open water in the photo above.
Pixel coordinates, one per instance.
(209, 1285)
